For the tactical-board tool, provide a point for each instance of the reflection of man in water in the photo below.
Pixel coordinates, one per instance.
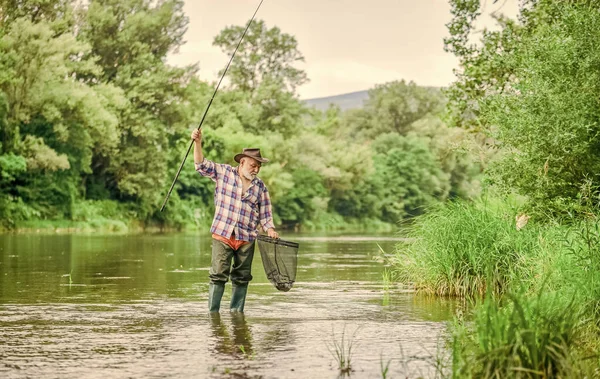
(238, 344)
(242, 203)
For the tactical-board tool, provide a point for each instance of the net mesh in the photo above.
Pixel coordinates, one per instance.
(280, 260)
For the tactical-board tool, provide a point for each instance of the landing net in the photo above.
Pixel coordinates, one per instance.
(280, 260)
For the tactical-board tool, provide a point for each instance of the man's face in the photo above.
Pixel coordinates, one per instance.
(249, 168)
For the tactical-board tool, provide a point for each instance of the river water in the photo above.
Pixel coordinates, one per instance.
(135, 306)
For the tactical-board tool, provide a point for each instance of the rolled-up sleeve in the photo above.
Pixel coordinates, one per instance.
(208, 168)
(265, 213)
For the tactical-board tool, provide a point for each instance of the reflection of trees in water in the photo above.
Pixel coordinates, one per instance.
(237, 341)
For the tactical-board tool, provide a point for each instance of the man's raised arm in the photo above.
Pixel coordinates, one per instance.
(197, 137)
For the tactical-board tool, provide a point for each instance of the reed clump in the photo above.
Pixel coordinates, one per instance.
(535, 289)
(467, 249)
(520, 337)
(342, 350)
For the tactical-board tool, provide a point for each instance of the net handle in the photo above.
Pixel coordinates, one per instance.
(277, 241)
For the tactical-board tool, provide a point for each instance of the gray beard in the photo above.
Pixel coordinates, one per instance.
(247, 175)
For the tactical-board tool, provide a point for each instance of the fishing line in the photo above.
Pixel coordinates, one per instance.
(208, 106)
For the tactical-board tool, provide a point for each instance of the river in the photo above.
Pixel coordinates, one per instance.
(135, 306)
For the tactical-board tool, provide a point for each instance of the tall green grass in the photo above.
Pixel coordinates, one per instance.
(342, 351)
(468, 249)
(583, 246)
(521, 337)
(537, 289)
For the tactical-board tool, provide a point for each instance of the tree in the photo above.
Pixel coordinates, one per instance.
(265, 55)
(412, 179)
(394, 107)
(125, 34)
(295, 206)
(532, 88)
(59, 13)
(264, 69)
(548, 122)
(483, 69)
(130, 40)
(53, 121)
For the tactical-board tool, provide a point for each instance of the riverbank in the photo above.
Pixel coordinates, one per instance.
(124, 225)
(535, 286)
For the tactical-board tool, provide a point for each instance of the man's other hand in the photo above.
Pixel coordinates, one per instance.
(272, 233)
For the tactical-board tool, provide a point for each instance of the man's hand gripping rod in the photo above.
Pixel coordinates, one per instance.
(208, 107)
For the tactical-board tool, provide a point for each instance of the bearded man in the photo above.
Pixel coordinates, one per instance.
(242, 203)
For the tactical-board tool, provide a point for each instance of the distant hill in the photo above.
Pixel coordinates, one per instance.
(345, 101)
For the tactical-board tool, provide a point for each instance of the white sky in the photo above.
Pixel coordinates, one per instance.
(348, 45)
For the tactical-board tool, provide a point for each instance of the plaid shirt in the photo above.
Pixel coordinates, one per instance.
(235, 211)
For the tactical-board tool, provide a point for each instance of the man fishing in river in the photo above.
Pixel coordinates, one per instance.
(242, 202)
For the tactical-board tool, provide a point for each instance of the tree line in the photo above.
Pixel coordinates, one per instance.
(94, 123)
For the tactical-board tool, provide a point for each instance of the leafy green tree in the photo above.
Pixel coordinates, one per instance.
(548, 121)
(363, 200)
(54, 121)
(394, 107)
(130, 40)
(11, 167)
(296, 205)
(33, 63)
(483, 67)
(531, 88)
(129, 36)
(458, 153)
(405, 178)
(59, 13)
(264, 69)
(265, 55)
(412, 178)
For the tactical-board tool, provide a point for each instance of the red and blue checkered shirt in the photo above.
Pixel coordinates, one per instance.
(237, 212)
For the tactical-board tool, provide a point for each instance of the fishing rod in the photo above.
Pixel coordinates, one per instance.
(208, 106)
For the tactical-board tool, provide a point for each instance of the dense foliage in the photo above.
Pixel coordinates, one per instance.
(94, 124)
(527, 253)
(532, 88)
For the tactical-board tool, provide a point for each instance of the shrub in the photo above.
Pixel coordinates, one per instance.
(466, 249)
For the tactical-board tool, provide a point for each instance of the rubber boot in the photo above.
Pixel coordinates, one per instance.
(215, 293)
(238, 298)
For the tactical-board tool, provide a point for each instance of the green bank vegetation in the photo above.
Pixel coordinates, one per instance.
(527, 253)
(94, 124)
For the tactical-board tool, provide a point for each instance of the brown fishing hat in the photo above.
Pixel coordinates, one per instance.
(251, 153)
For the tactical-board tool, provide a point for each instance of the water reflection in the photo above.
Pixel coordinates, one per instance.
(236, 340)
(278, 338)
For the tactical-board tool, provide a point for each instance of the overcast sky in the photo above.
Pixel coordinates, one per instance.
(348, 45)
